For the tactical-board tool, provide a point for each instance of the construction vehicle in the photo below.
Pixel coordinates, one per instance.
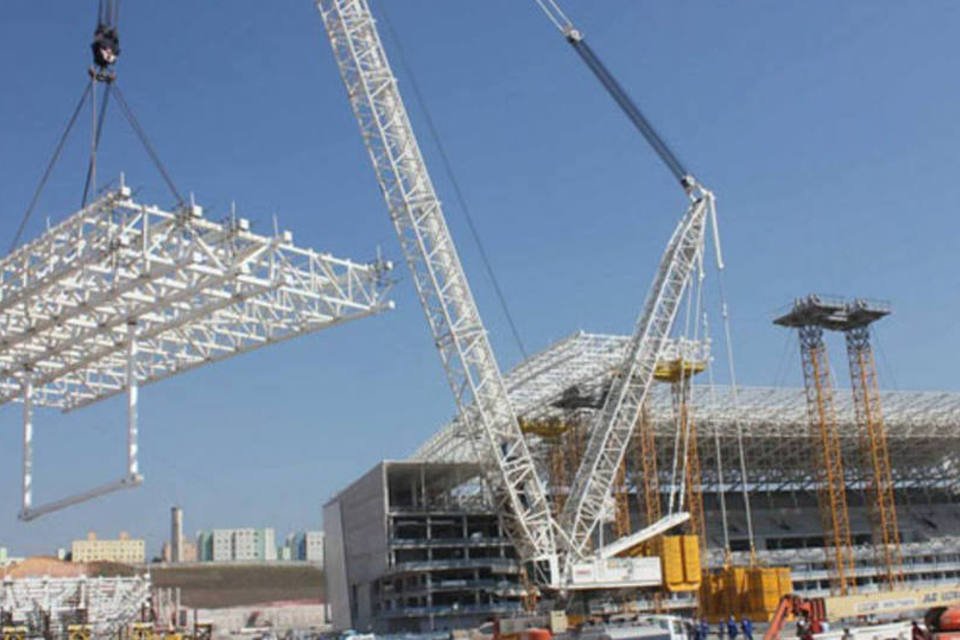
(943, 623)
(812, 610)
(557, 551)
(945, 615)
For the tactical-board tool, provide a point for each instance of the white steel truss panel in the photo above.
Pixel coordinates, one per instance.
(197, 291)
(122, 294)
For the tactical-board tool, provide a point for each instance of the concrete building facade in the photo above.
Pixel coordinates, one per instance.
(415, 547)
(125, 550)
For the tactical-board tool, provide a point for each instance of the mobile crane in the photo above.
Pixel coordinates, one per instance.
(555, 551)
(614, 426)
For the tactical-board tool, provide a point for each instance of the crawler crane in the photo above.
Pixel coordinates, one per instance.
(555, 551)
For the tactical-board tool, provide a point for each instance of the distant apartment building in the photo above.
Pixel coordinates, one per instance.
(188, 552)
(237, 545)
(205, 546)
(313, 547)
(304, 546)
(124, 549)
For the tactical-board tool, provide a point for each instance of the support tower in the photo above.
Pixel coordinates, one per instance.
(809, 316)
(875, 455)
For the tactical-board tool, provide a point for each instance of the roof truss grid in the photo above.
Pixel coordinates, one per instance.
(198, 291)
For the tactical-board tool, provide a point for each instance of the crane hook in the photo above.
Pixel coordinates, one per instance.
(106, 42)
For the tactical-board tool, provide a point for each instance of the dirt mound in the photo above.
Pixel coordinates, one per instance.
(39, 566)
(209, 586)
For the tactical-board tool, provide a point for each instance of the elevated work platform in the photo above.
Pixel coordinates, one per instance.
(835, 314)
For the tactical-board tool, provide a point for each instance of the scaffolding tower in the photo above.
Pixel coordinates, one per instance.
(809, 316)
(875, 454)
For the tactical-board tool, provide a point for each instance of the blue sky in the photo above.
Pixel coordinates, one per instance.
(828, 131)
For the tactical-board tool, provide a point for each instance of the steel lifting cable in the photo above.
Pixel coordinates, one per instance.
(721, 490)
(458, 192)
(728, 339)
(53, 161)
(141, 134)
(690, 424)
(92, 165)
(620, 95)
(555, 14)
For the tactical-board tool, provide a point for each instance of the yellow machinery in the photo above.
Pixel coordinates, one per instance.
(141, 631)
(754, 592)
(680, 558)
(13, 633)
(556, 433)
(79, 632)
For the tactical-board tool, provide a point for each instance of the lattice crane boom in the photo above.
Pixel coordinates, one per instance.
(610, 436)
(613, 428)
(438, 275)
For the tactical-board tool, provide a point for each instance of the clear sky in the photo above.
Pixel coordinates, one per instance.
(828, 130)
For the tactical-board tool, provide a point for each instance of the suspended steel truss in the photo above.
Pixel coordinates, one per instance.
(123, 294)
(923, 427)
(47, 606)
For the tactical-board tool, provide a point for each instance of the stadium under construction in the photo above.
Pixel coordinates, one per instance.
(411, 543)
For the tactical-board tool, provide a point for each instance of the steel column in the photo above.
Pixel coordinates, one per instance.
(133, 389)
(27, 501)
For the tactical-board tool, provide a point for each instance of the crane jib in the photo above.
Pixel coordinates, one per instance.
(622, 98)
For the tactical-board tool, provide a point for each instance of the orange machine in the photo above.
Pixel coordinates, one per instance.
(814, 610)
(943, 623)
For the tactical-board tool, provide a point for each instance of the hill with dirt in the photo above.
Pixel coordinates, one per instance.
(213, 586)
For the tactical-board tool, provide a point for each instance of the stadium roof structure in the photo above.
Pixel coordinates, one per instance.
(123, 294)
(110, 604)
(568, 380)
